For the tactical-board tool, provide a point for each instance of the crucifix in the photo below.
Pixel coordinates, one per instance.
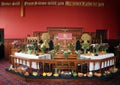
(22, 8)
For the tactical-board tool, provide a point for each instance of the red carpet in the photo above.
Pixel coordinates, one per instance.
(6, 79)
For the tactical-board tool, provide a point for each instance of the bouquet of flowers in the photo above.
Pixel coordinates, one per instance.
(104, 46)
(66, 53)
(16, 43)
(30, 46)
(96, 47)
(22, 47)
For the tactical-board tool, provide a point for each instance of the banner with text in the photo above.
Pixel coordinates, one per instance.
(53, 3)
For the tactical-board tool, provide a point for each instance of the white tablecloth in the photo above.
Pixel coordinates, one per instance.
(97, 64)
(48, 56)
(31, 56)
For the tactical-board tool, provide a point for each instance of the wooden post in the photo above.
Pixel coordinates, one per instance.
(22, 8)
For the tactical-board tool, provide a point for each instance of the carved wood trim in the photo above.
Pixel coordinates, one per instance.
(76, 31)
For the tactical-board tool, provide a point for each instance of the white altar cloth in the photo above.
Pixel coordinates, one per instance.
(48, 56)
(31, 56)
(97, 64)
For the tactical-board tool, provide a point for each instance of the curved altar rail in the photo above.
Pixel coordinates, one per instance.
(63, 63)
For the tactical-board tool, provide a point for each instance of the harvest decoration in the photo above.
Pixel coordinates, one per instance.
(45, 37)
(42, 48)
(85, 46)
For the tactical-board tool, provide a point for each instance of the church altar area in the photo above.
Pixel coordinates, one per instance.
(100, 67)
(63, 60)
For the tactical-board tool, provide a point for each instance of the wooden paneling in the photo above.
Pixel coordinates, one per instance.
(76, 31)
(8, 46)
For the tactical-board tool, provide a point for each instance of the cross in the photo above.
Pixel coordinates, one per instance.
(22, 8)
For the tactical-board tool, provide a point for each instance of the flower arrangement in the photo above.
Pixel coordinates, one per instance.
(22, 47)
(66, 53)
(30, 46)
(16, 43)
(104, 46)
(96, 47)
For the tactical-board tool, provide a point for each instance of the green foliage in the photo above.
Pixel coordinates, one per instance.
(30, 46)
(85, 45)
(66, 53)
(71, 47)
(56, 47)
(42, 48)
(104, 47)
(52, 52)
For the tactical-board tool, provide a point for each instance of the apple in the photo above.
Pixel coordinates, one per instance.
(26, 73)
(80, 74)
(74, 74)
(35, 73)
(44, 74)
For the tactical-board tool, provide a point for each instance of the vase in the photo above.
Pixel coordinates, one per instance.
(85, 50)
(52, 56)
(33, 52)
(29, 51)
(97, 50)
(56, 69)
(66, 56)
(78, 56)
(93, 50)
